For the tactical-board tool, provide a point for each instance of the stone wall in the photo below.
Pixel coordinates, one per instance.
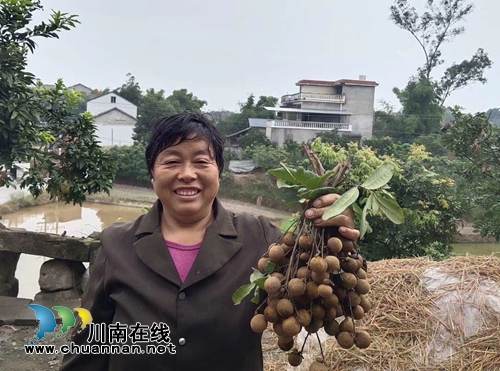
(60, 278)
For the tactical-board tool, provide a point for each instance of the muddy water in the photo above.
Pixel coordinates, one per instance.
(59, 218)
(82, 221)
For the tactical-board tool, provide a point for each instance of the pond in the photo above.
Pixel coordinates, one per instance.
(58, 218)
(82, 221)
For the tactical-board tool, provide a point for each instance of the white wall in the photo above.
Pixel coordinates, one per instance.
(115, 135)
(103, 104)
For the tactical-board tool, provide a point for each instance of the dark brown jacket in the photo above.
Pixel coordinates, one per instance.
(134, 280)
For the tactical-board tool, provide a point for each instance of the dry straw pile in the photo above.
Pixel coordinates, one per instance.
(426, 315)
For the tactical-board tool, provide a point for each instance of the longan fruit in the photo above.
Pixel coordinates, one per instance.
(306, 242)
(334, 245)
(285, 308)
(345, 340)
(258, 323)
(272, 285)
(285, 346)
(276, 253)
(304, 317)
(365, 303)
(332, 327)
(294, 358)
(354, 298)
(289, 239)
(349, 281)
(362, 287)
(312, 290)
(362, 339)
(347, 245)
(303, 273)
(358, 312)
(318, 265)
(347, 325)
(296, 287)
(262, 264)
(271, 314)
(325, 291)
(317, 312)
(361, 273)
(333, 263)
(349, 265)
(291, 326)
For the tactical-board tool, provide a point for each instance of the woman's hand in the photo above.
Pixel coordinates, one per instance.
(344, 221)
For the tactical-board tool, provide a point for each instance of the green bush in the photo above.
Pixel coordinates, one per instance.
(132, 166)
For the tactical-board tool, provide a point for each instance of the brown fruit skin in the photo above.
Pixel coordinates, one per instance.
(333, 263)
(319, 277)
(331, 301)
(358, 312)
(316, 366)
(318, 265)
(349, 265)
(291, 326)
(340, 292)
(294, 359)
(285, 339)
(340, 311)
(349, 281)
(272, 285)
(286, 248)
(262, 264)
(361, 273)
(317, 312)
(289, 239)
(306, 242)
(362, 340)
(285, 308)
(258, 323)
(304, 257)
(330, 314)
(345, 340)
(365, 303)
(354, 298)
(347, 246)
(296, 287)
(304, 317)
(278, 275)
(334, 245)
(347, 325)
(332, 327)
(303, 273)
(314, 326)
(276, 253)
(278, 329)
(312, 290)
(285, 346)
(325, 291)
(362, 287)
(302, 301)
(271, 314)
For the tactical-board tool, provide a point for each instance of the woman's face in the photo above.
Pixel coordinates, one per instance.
(186, 180)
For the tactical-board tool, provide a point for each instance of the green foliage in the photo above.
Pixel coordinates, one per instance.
(254, 136)
(65, 156)
(334, 137)
(130, 91)
(154, 106)
(131, 164)
(428, 200)
(474, 139)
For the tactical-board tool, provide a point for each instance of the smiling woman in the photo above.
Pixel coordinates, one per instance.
(178, 265)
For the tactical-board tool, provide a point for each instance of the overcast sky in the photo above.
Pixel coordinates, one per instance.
(223, 50)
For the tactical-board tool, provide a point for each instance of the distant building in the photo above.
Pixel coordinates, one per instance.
(82, 89)
(346, 106)
(115, 118)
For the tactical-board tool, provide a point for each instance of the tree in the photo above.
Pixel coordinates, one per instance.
(31, 118)
(130, 91)
(476, 140)
(440, 24)
(182, 101)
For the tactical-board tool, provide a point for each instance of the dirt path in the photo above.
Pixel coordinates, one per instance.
(129, 195)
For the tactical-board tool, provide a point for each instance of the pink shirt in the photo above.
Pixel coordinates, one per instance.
(183, 257)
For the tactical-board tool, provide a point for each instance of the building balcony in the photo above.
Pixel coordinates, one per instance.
(299, 97)
(309, 125)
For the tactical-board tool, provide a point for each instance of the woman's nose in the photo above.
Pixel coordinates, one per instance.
(187, 172)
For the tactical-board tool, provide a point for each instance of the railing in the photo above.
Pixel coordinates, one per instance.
(311, 125)
(333, 98)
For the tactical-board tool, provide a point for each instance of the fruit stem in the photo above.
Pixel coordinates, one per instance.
(321, 348)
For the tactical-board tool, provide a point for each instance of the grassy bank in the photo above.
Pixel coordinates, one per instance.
(20, 202)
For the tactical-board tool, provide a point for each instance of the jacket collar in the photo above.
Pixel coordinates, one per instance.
(218, 247)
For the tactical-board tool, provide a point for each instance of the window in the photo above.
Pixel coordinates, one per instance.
(113, 99)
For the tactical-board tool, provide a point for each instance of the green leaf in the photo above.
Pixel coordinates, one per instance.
(391, 209)
(315, 193)
(379, 177)
(242, 292)
(298, 177)
(256, 296)
(364, 223)
(346, 200)
(256, 275)
(286, 224)
(259, 282)
(280, 183)
(270, 267)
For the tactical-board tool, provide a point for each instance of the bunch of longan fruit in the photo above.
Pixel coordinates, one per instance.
(319, 280)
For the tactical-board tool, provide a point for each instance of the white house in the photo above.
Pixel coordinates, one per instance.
(115, 118)
(82, 88)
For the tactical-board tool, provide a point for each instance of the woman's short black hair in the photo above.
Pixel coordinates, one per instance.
(175, 129)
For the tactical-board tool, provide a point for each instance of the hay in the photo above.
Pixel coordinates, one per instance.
(425, 315)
